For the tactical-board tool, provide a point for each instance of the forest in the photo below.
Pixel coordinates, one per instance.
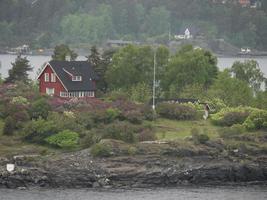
(44, 24)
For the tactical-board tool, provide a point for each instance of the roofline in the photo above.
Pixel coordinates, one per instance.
(46, 64)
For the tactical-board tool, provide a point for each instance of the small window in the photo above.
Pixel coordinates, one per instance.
(53, 77)
(63, 94)
(46, 77)
(76, 78)
(50, 91)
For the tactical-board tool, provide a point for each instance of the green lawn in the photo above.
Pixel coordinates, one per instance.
(172, 129)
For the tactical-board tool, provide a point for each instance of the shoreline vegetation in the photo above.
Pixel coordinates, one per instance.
(118, 141)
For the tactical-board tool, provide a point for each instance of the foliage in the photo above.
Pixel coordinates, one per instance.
(90, 138)
(121, 131)
(9, 126)
(19, 71)
(65, 139)
(232, 91)
(256, 120)
(37, 130)
(101, 150)
(176, 111)
(249, 71)
(40, 108)
(62, 51)
(188, 67)
(140, 93)
(230, 116)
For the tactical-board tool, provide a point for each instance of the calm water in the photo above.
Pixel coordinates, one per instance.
(38, 61)
(221, 193)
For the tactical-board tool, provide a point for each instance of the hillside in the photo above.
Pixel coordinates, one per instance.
(44, 24)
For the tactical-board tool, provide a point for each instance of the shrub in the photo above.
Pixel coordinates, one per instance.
(176, 111)
(256, 120)
(40, 108)
(146, 135)
(134, 116)
(9, 126)
(65, 139)
(231, 116)
(111, 115)
(121, 131)
(101, 150)
(89, 139)
(37, 130)
(148, 113)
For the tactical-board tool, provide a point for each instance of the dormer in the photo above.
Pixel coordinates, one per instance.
(76, 78)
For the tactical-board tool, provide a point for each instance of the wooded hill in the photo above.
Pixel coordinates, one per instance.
(47, 23)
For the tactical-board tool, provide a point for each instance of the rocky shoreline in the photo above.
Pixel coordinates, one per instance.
(81, 170)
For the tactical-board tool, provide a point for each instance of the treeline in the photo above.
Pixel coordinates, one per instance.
(46, 23)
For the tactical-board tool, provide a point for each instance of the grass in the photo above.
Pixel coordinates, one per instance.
(172, 130)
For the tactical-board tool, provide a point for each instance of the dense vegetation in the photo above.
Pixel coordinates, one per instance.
(50, 22)
(123, 115)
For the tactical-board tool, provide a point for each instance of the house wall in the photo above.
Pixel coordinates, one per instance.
(58, 87)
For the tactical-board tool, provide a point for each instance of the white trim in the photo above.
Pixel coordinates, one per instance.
(77, 78)
(54, 73)
(46, 77)
(67, 72)
(53, 78)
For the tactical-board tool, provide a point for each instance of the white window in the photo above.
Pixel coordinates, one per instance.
(50, 91)
(63, 94)
(53, 77)
(46, 77)
(76, 78)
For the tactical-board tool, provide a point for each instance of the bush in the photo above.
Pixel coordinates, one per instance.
(37, 130)
(122, 131)
(89, 139)
(176, 111)
(9, 126)
(65, 139)
(134, 116)
(148, 113)
(231, 116)
(40, 108)
(256, 120)
(101, 150)
(147, 135)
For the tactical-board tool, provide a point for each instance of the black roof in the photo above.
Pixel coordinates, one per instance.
(76, 68)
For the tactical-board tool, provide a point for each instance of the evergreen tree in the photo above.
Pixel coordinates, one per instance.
(62, 51)
(19, 70)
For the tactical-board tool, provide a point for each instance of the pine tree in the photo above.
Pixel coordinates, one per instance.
(19, 70)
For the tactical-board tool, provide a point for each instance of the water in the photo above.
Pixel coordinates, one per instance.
(37, 61)
(202, 193)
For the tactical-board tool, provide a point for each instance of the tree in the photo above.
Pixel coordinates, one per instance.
(19, 71)
(188, 67)
(250, 72)
(131, 65)
(94, 58)
(62, 51)
(232, 91)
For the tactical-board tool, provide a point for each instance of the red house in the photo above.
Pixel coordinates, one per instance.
(68, 79)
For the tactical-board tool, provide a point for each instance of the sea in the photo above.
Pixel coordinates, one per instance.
(179, 193)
